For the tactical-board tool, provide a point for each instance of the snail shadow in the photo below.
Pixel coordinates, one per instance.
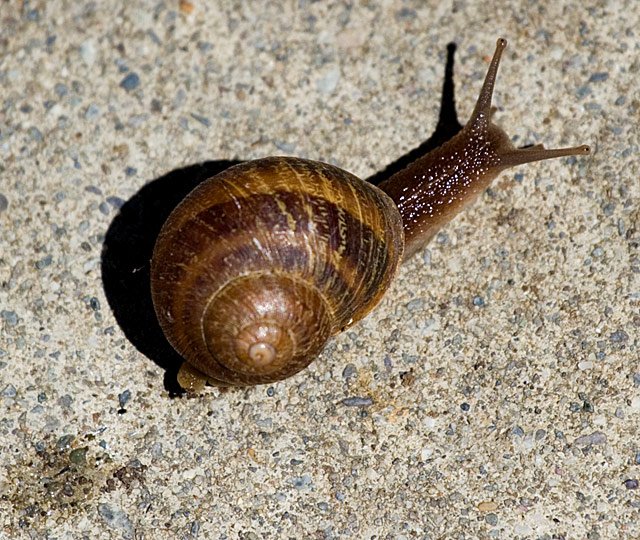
(447, 126)
(126, 253)
(131, 237)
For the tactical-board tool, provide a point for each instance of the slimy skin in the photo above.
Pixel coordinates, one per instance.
(434, 188)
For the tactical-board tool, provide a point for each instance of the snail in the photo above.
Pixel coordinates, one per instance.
(260, 265)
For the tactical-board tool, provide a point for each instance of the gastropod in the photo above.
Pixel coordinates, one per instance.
(260, 265)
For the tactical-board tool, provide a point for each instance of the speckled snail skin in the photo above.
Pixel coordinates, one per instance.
(260, 265)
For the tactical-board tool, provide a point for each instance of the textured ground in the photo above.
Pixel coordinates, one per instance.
(500, 376)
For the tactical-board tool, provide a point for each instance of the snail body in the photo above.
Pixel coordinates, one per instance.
(261, 264)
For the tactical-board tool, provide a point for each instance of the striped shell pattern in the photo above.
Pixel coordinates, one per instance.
(260, 265)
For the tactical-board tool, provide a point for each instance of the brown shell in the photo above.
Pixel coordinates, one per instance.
(261, 264)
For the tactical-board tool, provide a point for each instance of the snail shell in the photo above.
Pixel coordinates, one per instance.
(260, 265)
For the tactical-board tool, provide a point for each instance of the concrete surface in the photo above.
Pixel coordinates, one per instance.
(500, 375)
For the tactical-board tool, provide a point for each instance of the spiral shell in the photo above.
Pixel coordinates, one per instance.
(260, 265)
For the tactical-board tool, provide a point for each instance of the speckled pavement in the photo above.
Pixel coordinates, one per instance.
(494, 393)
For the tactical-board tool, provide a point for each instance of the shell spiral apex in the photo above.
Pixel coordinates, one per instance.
(264, 327)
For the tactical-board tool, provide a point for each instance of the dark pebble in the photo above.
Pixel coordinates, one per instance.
(91, 112)
(405, 14)
(583, 91)
(619, 336)
(9, 391)
(4, 203)
(631, 484)
(348, 371)
(597, 437)
(131, 81)
(465, 407)
(124, 397)
(35, 134)
(131, 171)
(285, 146)
(301, 482)
(93, 189)
(78, 456)
(61, 89)
(65, 401)
(116, 519)
(64, 441)
(357, 402)
(387, 363)
(600, 76)
(63, 122)
(587, 406)
(44, 262)
(478, 301)
(154, 37)
(116, 202)
(415, 304)
(78, 87)
(202, 119)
